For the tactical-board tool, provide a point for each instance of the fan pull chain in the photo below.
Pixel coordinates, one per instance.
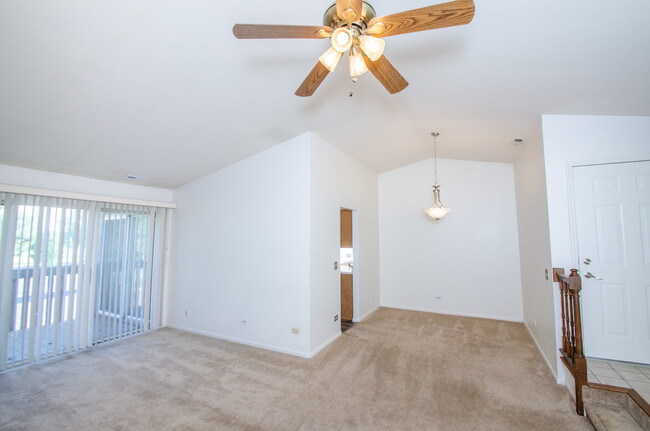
(352, 81)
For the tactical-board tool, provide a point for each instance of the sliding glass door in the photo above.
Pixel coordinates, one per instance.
(75, 273)
(126, 253)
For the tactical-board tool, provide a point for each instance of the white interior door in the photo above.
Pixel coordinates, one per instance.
(613, 225)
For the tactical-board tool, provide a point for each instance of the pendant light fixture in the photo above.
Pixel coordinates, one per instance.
(437, 210)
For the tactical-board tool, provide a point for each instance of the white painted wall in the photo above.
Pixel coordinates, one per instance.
(339, 181)
(240, 251)
(574, 140)
(70, 183)
(535, 247)
(470, 258)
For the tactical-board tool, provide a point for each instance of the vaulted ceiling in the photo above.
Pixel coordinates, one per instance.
(162, 89)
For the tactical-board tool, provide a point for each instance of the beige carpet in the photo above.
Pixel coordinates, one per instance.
(397, 370)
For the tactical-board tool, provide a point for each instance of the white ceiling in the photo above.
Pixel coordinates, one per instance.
(162, 89)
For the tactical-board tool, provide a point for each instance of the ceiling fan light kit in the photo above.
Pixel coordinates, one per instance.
(353, 25)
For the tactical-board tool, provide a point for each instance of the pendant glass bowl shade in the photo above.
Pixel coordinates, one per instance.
(330, 59)
(437, 210)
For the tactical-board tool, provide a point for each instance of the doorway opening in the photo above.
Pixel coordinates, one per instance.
(347, 267)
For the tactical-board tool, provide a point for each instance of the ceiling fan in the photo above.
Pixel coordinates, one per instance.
(353, 26)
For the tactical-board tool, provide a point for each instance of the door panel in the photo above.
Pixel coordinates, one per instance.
(645, 233)
(616, 313)
(347, 308)
(346, 229)
(612, 204)
(609, 231)
(346, 297)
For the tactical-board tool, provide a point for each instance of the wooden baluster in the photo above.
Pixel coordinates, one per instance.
(568, 320)
(571, 326)
(564, 339)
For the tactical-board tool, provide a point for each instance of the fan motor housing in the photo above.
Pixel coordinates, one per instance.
(331, 18)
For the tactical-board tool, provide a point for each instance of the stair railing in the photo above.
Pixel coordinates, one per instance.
(571, 351)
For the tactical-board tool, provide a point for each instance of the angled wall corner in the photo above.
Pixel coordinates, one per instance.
(240, 251)
(535, 248)
(339, 181)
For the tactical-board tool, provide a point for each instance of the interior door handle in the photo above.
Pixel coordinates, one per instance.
(590, 275)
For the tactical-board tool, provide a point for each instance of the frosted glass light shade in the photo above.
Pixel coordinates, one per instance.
(330, 58)
(357, 65)
(342, 39)
(436, 212)
(372, 46)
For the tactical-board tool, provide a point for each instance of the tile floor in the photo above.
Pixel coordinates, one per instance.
(624, 374)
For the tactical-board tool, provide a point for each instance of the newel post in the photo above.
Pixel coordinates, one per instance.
(579, 361)
(575, 285)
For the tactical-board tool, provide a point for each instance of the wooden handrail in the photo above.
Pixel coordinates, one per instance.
(571, 351)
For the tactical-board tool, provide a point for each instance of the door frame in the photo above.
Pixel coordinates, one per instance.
(355, 268)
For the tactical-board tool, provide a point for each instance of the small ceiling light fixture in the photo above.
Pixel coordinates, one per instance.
(437, 210)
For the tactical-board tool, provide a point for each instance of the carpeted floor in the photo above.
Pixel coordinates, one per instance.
(397, 370)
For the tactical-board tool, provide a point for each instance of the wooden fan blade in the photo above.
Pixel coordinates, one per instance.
(266, 31)
(313, 80)
(349, 10)
(449, 14)
(384, 71)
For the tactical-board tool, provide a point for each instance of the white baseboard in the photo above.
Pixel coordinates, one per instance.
(367, 314)
(454, 313)
(548, 363)
(325, 344)
(242, 341)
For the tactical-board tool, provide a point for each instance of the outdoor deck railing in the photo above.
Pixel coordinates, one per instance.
(22, 289)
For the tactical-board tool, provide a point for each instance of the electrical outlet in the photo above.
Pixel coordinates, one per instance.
(535, 323)
(336, 317)
(295, 331)
(336, 265)
(546, 274)
(438, 298)
(244, 322)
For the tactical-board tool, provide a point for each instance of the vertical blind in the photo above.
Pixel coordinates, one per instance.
(74, 273)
